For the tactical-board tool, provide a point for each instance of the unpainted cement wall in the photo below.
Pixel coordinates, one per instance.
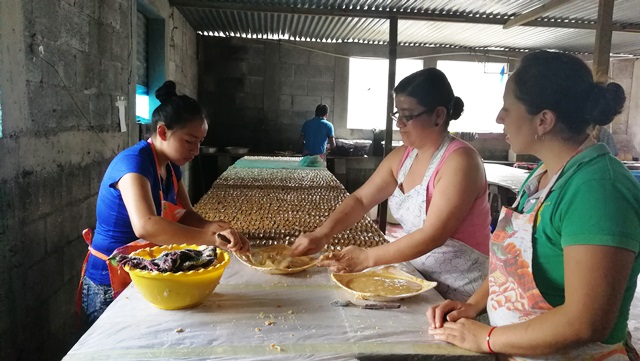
(60, 130)
(258, 93)
(626, 127)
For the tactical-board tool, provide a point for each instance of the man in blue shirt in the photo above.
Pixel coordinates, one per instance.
(316, 132)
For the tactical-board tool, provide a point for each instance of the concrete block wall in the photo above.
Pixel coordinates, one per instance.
(182, 63)
(258, 94)
(626, 126)
(491, 146)
(182, 49)
(60, 131)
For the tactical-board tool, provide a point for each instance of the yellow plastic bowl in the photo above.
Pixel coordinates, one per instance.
(174, 291)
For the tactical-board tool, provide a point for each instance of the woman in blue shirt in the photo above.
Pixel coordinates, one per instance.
(142, 196)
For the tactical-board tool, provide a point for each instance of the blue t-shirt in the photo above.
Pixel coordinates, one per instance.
(316, 131)
(113, 226)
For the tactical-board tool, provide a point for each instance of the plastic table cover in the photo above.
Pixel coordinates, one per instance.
(257, 316)
(504, 176)
(277, 163)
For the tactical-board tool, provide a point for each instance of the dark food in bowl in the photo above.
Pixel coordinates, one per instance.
(184, 260)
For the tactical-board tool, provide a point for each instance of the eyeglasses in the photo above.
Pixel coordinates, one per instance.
(406, 118)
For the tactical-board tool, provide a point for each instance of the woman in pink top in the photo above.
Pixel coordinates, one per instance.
(437, 190)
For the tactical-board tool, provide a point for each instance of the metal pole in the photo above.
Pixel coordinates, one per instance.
(393, 55)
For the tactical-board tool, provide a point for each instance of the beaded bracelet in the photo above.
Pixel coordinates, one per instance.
(489, 338)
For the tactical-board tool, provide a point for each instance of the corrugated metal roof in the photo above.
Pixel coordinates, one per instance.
(242, 19)
(624, 12)
(482, 36)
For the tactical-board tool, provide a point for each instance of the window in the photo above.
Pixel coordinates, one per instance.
(142, 86)
(368, 84)
(481, 86)
(142, 104)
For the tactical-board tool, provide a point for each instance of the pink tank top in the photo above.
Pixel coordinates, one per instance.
(475, 229)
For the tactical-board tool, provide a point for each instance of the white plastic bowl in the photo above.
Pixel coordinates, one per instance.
(208, 150)
(237, 150)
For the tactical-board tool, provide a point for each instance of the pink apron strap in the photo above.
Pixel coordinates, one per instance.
(404, 157)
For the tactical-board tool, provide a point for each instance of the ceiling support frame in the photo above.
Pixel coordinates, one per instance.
(386, 14)
(535, 13)
(388, 134)
(602, 46)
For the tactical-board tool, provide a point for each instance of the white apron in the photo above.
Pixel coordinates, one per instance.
(458, 268)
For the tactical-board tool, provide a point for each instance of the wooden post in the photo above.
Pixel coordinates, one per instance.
(602, 47)
(388, 135)
(535, 13)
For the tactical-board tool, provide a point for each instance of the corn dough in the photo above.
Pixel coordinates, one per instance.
(383, 285)
(278, 257)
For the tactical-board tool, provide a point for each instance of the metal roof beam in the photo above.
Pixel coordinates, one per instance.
(386, 14)
(535, 13)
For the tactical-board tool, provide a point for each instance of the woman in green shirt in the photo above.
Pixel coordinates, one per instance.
(564, 261)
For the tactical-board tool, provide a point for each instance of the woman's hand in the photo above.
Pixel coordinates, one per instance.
(465, 333)
(237, 242)
(451, 311)
(232, 240)
(218, 226)
(308, 244)
(350, 259)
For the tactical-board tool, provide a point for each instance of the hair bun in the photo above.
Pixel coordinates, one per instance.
(606, 102)
(166, 91)
(457, 107)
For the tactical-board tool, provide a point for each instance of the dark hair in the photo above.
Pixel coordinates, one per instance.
(564, 84)
(322, 110)
(431, 88)
(175, 111)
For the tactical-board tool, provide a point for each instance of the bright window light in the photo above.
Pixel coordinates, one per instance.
(481, 86)
(368, 85)
(142, 105)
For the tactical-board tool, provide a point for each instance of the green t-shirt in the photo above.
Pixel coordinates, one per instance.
(595, 201)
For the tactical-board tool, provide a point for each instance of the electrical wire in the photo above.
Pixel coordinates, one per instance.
(470, 53)
(77, 106)
(373, 57)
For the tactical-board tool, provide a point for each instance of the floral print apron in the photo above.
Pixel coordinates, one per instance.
(458, 268)
(513, 294)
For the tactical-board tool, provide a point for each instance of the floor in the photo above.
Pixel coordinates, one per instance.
(395, 231)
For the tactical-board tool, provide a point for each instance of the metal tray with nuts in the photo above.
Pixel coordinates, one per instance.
(275, 178)
(256, 202)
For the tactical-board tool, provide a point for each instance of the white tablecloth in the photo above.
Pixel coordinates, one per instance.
(232, 324)
(509, 177)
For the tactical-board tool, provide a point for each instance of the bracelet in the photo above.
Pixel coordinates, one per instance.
(489, 339)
